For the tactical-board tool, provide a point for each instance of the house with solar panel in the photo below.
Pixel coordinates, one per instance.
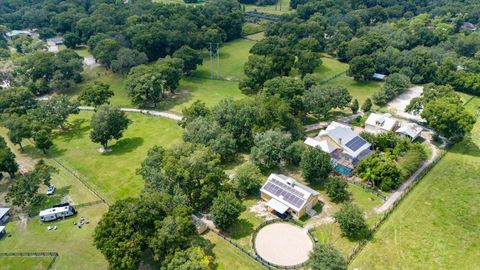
(286, 196)
(346, 148)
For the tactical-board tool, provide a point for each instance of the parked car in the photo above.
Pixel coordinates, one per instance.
(50, 190)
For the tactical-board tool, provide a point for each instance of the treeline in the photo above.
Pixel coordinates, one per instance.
(426, 43)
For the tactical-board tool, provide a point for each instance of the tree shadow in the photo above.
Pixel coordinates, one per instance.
(125, 146)
(466, 147)
(240, 229)
(74, 130)
(180, 97)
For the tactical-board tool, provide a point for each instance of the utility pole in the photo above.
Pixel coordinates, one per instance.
(211, 61)
(216, 54)
(218, 60)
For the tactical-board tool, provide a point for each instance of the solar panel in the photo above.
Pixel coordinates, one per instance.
(356, 143)
(290, 195)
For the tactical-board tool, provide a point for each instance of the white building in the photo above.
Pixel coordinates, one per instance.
(15, 33)
(4, 215)
(410, 130)
(344, 146)
(285, 195)
(378, 123)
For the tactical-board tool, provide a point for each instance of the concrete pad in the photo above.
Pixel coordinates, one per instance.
(283, 244)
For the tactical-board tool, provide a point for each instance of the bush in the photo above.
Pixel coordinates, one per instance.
(412, 159)
(337, 189)
(381, 171)
(351, 221)
(326, 257)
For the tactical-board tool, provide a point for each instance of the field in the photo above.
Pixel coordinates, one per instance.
(359, 90)
(113, 174)
(436, 226)
(281, 8)
(329, 68)
(229, 257)
(25, 263)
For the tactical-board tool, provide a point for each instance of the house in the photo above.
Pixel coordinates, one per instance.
(56, 212)
(4, 215)
(410, 130)
(15, 33)
(55, 41)
(378, 123)
(469, 26)
(2, 231)
(346, 148)
(378, 76)
(286, 196)
(199, 224)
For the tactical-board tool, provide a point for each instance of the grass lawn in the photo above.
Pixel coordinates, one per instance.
(329, 68)
(358, 90)
(437, 225)
(206, 90)
(256, 37)
(74, 245)
(82, 51)
(229, 257)
(113, 174)
(242, 230)
(273, 9)
(233, 56)
(249, 28)
(25, 263)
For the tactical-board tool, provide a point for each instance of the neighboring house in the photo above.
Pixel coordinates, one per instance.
(4, 215)
(345, 147)
(285, 195)
(56, 212)
(2, 231)
(378, 123)
(410, 130)
(469, 26)
(15, 33)
(199, 224)
(378, 76)
(55, 41)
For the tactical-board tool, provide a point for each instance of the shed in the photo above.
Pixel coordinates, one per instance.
(378, 76)
(410, 130)
(4, 215)
(199, 224)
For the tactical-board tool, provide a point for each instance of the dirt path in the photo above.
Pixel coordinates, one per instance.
(397, 194)
(168, 115)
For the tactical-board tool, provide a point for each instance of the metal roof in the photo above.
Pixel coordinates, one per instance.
(3, 212)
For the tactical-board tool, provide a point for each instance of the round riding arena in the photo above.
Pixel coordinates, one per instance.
(283, 244)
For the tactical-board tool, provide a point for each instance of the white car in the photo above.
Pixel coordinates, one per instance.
(50, 190)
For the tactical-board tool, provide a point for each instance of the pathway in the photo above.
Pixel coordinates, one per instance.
(398, 193)
(168, 115)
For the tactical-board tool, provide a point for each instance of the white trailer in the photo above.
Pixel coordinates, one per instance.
(56, 212)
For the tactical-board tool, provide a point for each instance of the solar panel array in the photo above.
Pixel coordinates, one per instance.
(289, 194)
(356, 143)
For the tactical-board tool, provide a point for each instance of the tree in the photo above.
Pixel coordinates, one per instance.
(226, 209)
(193, 258)
(17, 101)
(258, 70)
(307, 62)
(337, 189)
(269, 148)
(289, 89)
(191, 58)
(19, 128)
(367, 105)
(351, 221)
(108, 123)
(430, 93)
(208, 132)
(247, 179)
(126, 59)
(326, 257)
(395, 84)
(71, 40)
(449, 119)
(381, 171)
(294, 152)
(55, 111)
(96, 94)
(354, 106)
(197, 109)
(42, 139)
(315, 165)
(106, 51)
(321, 99)
(7, 160)
(361, 68)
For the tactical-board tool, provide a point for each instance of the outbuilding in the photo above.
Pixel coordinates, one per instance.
(56, 212)
(2, 231)
(410, 130)
(4, 215)
(379, 123)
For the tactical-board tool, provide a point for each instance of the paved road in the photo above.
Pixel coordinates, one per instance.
(168, 115)
(397, 194)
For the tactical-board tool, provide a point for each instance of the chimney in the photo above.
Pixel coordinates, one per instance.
(340, 141)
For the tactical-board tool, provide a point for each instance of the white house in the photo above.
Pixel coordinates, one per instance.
(345, 146)
(378, 123)
(285, 195)
(410, 130)
(56, 212)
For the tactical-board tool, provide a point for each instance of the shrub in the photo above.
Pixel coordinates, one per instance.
(351, 221)
(412, 159)
(326, 257)
(337, 189)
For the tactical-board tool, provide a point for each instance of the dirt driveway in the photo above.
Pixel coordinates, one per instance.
(399, 104)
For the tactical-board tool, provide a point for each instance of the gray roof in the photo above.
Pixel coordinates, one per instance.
(3, 212)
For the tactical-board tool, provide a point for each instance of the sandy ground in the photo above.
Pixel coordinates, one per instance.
(399, 104)
(283, 244)
(90, 62)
